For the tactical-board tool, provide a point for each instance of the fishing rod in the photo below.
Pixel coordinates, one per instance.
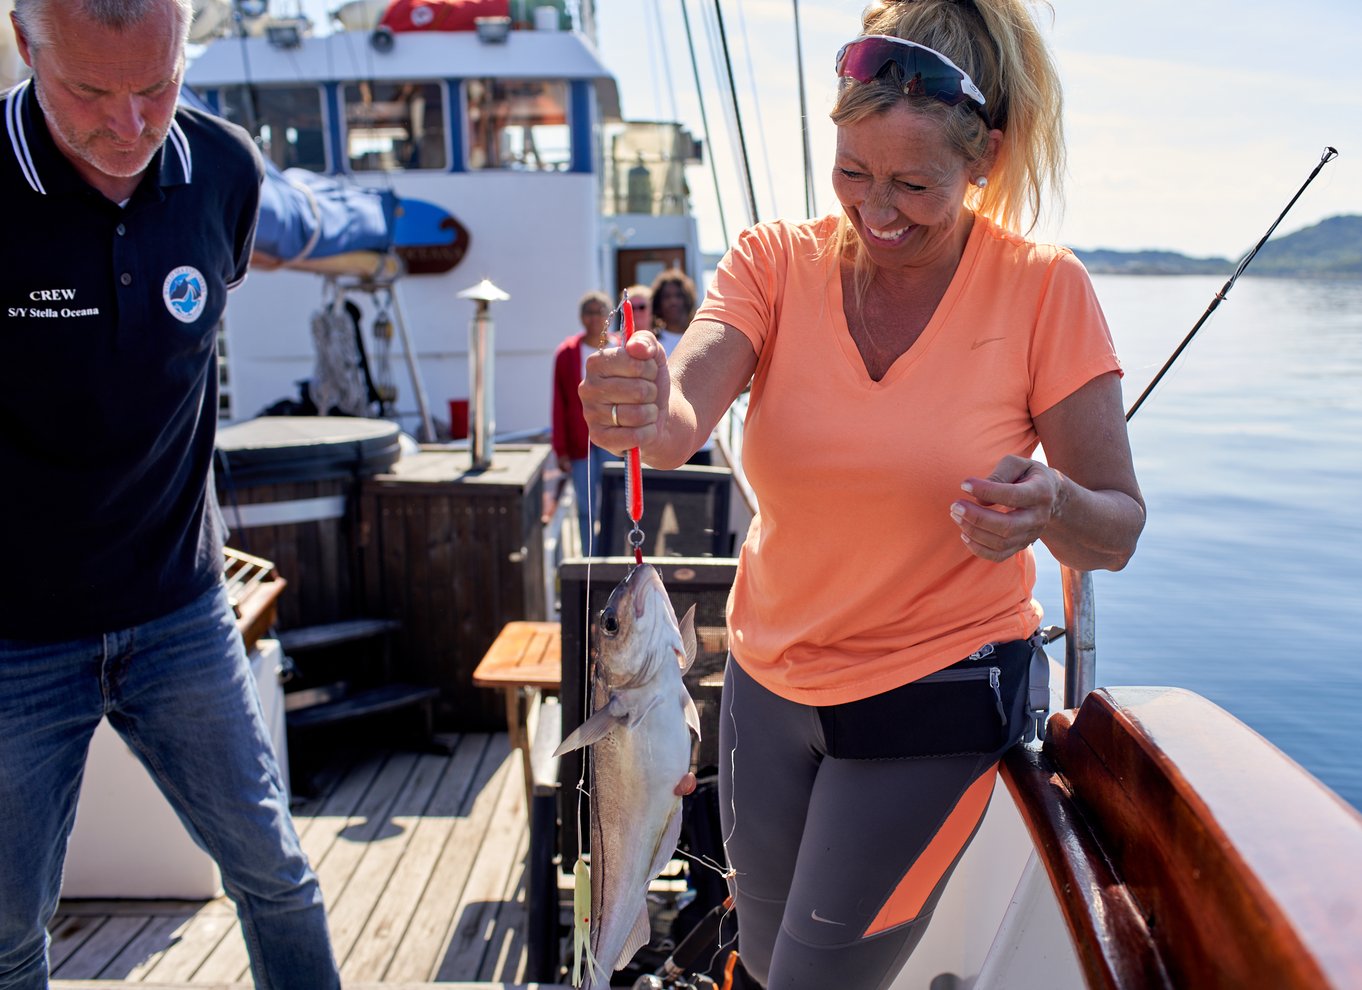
(1329, 155)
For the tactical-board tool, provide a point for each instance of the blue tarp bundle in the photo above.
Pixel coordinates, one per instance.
(304, 215)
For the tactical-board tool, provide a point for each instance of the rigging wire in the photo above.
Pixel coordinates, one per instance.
(716, 67)
(704, 124)
(810, 201)
(746, 161)
(725, 102)
(1329, 155)
(666, 64)
(756, 109)
(652, 33)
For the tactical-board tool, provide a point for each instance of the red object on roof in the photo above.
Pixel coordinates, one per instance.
(441, 15)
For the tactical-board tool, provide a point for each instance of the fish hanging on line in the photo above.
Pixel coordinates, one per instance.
(641, 746)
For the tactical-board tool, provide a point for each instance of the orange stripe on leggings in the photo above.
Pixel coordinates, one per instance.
(922, 877)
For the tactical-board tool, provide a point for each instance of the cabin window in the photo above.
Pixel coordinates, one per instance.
(519, 124)
(645, 168)
(395, 126)
(286, 122)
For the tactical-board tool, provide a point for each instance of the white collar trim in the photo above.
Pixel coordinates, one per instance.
(176, 139)
(23, 154)
(18, 137)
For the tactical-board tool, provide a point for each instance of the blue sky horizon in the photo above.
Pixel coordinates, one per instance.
(1190, 123)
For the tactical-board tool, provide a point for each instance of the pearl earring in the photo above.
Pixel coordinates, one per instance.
(982, 181)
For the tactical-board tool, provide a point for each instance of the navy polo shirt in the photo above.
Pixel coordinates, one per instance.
(108, 373)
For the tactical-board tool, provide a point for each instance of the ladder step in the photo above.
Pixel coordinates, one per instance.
(334, 633)
(388, 697)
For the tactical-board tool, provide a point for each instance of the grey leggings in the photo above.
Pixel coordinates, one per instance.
(838, 863)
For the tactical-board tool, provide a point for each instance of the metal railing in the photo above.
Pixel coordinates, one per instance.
(1080, 636)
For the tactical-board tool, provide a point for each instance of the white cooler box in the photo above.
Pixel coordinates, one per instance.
(127, 842)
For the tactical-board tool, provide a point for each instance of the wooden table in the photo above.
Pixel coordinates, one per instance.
(523, 662)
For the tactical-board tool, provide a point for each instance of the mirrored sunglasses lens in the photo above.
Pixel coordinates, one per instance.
(923, 74)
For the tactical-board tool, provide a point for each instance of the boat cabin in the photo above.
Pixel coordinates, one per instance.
(508, 157)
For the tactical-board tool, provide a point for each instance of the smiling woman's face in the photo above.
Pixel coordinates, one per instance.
(901, 186)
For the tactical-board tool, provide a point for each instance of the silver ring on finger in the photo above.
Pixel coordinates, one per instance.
(615, 414)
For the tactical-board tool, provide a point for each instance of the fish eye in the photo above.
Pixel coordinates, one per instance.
(610, 623)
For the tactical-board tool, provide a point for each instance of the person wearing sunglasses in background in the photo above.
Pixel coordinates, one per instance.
(641, 298)
(907, 355)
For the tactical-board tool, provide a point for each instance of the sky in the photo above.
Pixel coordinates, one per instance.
(1190, 123)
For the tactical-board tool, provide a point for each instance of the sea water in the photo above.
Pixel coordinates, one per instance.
(1247, 583)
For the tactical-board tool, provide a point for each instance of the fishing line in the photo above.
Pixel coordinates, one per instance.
(582, 792)
(1329, 155)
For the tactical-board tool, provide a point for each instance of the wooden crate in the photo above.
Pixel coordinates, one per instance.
(454, 555)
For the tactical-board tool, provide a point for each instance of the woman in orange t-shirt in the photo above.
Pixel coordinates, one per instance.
(906, 357)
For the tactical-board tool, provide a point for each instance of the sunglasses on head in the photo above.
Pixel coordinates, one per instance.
(926, 72)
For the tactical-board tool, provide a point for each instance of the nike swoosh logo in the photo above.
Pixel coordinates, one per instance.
(987, 340)
(826, 921)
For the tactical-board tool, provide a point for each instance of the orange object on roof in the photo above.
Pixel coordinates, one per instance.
(441, 15)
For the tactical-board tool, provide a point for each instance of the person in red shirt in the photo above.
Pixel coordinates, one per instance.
(907, 355)
(577, 456)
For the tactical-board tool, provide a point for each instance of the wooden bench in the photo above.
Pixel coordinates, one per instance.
(523, 663)
(1187, 851)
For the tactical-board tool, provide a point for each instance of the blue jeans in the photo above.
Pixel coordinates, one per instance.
(179, 690)
(581, 484)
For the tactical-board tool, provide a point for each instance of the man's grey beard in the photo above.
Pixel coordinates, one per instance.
(85, 154)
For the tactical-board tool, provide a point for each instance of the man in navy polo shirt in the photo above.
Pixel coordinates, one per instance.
(127, 222)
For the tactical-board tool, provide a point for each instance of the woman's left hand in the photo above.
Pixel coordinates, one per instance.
(1010, 508)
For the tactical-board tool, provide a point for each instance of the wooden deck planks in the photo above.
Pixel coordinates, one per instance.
(195, 942)
(421, 860)
(141, 955)
(421, 951)
(349, 912)
(392, 915)
(478, 920)
(105, 943)
(66, 936)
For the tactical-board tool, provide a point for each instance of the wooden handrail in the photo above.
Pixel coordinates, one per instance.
(1166, 824)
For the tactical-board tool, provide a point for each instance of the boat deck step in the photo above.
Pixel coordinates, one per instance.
(370, 701)
(320, 637)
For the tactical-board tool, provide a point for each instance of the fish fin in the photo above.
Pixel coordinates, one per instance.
(639, 936)
(687, 629)
(692, 716)
(593, 730)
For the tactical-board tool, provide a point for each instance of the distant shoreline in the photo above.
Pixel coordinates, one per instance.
(1330, 249)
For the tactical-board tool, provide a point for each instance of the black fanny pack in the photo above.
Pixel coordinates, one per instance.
(979, 706)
